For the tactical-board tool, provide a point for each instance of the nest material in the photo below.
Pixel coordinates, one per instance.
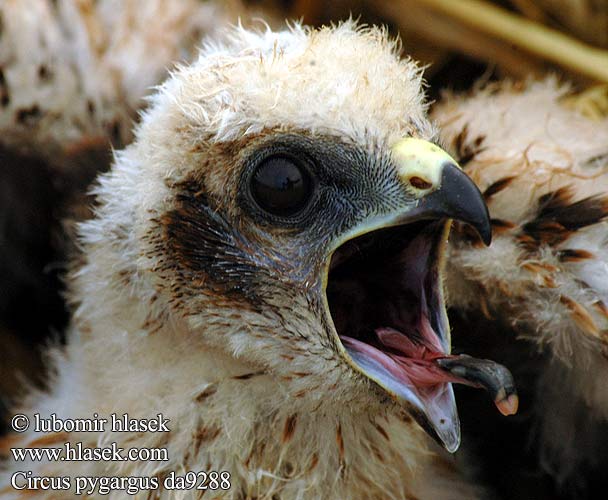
(586, 19)
(518, 37)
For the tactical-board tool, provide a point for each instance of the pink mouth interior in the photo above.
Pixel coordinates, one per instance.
(409, 363)
(384, 297)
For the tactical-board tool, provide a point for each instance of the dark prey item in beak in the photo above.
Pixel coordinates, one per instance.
(487, 374)
(457, 198)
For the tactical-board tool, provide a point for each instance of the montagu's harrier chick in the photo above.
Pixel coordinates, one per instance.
(265, 267)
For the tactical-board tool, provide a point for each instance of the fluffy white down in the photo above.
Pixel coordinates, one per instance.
(527, 132)
(76, 71)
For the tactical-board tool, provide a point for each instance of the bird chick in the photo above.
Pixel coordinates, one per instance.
(543, 169)
(74, 73)
(265, 268)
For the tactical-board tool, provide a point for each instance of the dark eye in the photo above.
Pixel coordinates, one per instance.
(280, 186)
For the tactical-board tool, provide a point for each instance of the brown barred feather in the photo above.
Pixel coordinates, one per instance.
(574, 255)
(289, 428)
(497, 187)
(581, 316)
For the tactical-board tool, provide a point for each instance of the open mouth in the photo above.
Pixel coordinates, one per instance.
(384, 295)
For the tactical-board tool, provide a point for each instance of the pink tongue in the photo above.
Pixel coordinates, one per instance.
(419, 363)
(395, 340)
(417, 360)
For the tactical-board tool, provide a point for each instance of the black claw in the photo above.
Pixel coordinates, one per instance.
(485, 373)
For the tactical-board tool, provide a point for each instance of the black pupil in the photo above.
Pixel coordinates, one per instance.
(281, 187)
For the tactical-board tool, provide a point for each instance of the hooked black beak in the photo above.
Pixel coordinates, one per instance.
(456, 198)
(442, 189)
(397, 341)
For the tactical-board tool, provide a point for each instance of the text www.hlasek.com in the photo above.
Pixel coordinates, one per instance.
(77, 452)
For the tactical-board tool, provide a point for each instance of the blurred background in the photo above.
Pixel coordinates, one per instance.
(44, 174)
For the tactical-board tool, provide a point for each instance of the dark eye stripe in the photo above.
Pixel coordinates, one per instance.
(281, 187)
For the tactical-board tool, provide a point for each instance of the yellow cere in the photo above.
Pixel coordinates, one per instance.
(420, 164)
